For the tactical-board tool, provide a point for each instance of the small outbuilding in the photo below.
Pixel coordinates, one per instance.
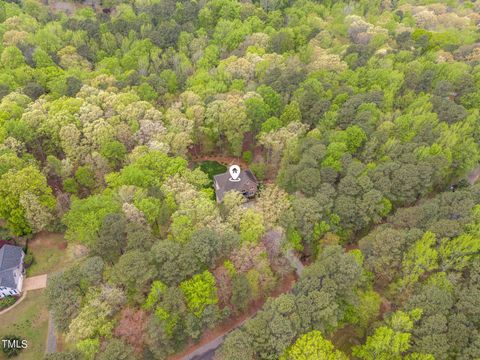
(246, 184)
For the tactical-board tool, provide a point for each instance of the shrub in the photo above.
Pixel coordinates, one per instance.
(6, 302)
(14, 350)
(70, 186)
(247, 157)
(28, 260)
(85, 176)
(259, 170)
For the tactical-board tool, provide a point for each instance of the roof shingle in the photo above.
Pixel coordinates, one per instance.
(10, 260)
(247, 183)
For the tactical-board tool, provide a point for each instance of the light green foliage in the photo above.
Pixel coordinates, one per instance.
(114, 151)
(229, 117)
(86, 216)
(181, 228)
(368, 308)
(152, 209)
(146, 92)
(89, 348)
(251, 226)
(294, 239)
(392, 341)
(165, 307)
(428, 254)
(258, 111)
(420, 258)
(42, 59)
(12, 58)
(271, 98)
(3, 12)
(70, 185)
(95, 318)
(384, 344)
(157, 289)
(16, 184)
(170, 80)
(230, 267)
(10, 161)
(313, 346)
(353, 136)
(335, 151)
(150, 169)
(458, 252)
(247, 156)
(271, 124)
(356, 117)
(85, 176)
(199, 291)
(291, 113)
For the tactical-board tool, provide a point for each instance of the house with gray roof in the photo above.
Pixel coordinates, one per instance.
(246, 184)
(11, 270)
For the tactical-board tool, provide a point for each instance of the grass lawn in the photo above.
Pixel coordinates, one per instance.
(29, 320)
(49, 253)
(212, 168)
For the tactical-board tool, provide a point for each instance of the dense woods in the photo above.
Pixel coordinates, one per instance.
(360, 118)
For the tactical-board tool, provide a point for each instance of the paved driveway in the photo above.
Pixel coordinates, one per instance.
(35, 283)
(51, 338)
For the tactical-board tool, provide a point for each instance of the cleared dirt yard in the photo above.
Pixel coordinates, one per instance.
(49, 252)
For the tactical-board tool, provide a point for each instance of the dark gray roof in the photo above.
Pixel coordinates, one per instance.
(247, 183)
(7, 279)
(10, 260)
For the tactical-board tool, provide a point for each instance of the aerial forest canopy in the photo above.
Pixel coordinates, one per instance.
(360, 119)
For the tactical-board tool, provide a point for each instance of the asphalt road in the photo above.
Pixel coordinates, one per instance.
(51, 337)
(207, 351)
(209, 355)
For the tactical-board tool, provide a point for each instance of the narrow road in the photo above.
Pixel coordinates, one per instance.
(51, 346)
(208, 355)
(207, 350)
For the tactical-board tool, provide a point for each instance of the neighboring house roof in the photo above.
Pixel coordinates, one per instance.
(247, 184)
(11, 258)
